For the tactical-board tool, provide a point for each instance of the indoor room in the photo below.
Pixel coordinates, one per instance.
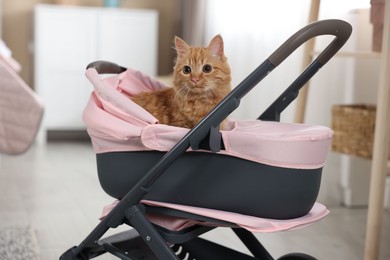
(266, 118)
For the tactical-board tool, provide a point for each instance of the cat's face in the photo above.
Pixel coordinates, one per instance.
(200, 69)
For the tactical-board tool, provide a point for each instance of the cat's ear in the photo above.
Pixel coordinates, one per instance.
(181, 46)
(216, 46)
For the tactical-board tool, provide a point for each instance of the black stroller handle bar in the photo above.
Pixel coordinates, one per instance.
(342, 30)
(208, 128)
(338, 28)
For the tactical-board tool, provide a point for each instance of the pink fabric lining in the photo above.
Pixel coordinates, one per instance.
(253, 224)
(115, 123)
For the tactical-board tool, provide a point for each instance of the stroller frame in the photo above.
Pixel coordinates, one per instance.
(148, 241)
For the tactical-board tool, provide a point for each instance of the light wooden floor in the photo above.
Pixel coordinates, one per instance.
(54, 188)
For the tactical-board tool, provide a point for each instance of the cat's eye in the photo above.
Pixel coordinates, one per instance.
(207, 68)
(186, 70)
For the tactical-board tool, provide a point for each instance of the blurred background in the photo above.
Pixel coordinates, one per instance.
(54, 40)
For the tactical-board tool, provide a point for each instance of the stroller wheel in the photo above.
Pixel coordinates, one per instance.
(297, 256)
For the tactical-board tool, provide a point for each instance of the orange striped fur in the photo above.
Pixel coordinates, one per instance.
(201, 79)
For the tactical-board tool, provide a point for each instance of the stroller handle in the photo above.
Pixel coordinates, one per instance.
(106, 67)
(341, 29)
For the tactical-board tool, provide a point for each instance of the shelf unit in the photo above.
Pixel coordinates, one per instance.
(68, 38)
(380, 164)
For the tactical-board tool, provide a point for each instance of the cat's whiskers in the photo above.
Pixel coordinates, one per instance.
(182, 93)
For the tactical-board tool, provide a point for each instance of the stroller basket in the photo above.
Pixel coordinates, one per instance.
(261, 168)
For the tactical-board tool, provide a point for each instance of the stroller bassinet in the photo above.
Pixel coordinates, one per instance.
(261, 168)
(265, 169)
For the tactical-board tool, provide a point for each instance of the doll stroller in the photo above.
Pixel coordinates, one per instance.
(174, 184)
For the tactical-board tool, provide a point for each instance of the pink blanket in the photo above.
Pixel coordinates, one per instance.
(115, 123)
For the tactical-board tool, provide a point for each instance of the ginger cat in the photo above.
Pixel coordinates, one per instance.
(201, 79)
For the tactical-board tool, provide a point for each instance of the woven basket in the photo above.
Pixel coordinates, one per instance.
(354, 127)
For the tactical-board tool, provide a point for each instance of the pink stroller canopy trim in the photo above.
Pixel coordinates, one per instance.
(115, 123)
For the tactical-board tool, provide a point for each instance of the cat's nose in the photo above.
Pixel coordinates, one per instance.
(195, 79)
